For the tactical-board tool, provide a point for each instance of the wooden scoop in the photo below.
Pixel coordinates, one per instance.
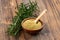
(40, 15)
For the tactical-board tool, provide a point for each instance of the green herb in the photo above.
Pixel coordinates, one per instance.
(24, 11)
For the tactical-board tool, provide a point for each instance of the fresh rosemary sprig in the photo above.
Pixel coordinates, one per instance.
(24, 11)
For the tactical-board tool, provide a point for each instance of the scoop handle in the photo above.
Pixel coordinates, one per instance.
(40, 15)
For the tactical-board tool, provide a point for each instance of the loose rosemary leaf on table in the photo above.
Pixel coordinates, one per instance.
(24, 11)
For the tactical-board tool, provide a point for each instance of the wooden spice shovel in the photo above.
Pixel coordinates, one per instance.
(40, 15)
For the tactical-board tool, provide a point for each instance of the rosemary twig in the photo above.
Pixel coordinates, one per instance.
(24, 11)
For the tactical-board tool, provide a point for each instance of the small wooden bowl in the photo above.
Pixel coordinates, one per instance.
(32, 31)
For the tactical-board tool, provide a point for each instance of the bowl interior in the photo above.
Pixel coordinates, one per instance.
(28, 19)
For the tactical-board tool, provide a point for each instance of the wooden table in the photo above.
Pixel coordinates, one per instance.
(51, 30)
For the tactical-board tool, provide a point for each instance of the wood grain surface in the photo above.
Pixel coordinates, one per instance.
(51, 30)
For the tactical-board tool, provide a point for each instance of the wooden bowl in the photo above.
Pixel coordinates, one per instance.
(32, 31)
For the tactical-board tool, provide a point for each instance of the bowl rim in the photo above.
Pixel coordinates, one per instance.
(31, 18)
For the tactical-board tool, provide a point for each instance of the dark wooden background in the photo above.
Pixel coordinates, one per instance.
(51, 30)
